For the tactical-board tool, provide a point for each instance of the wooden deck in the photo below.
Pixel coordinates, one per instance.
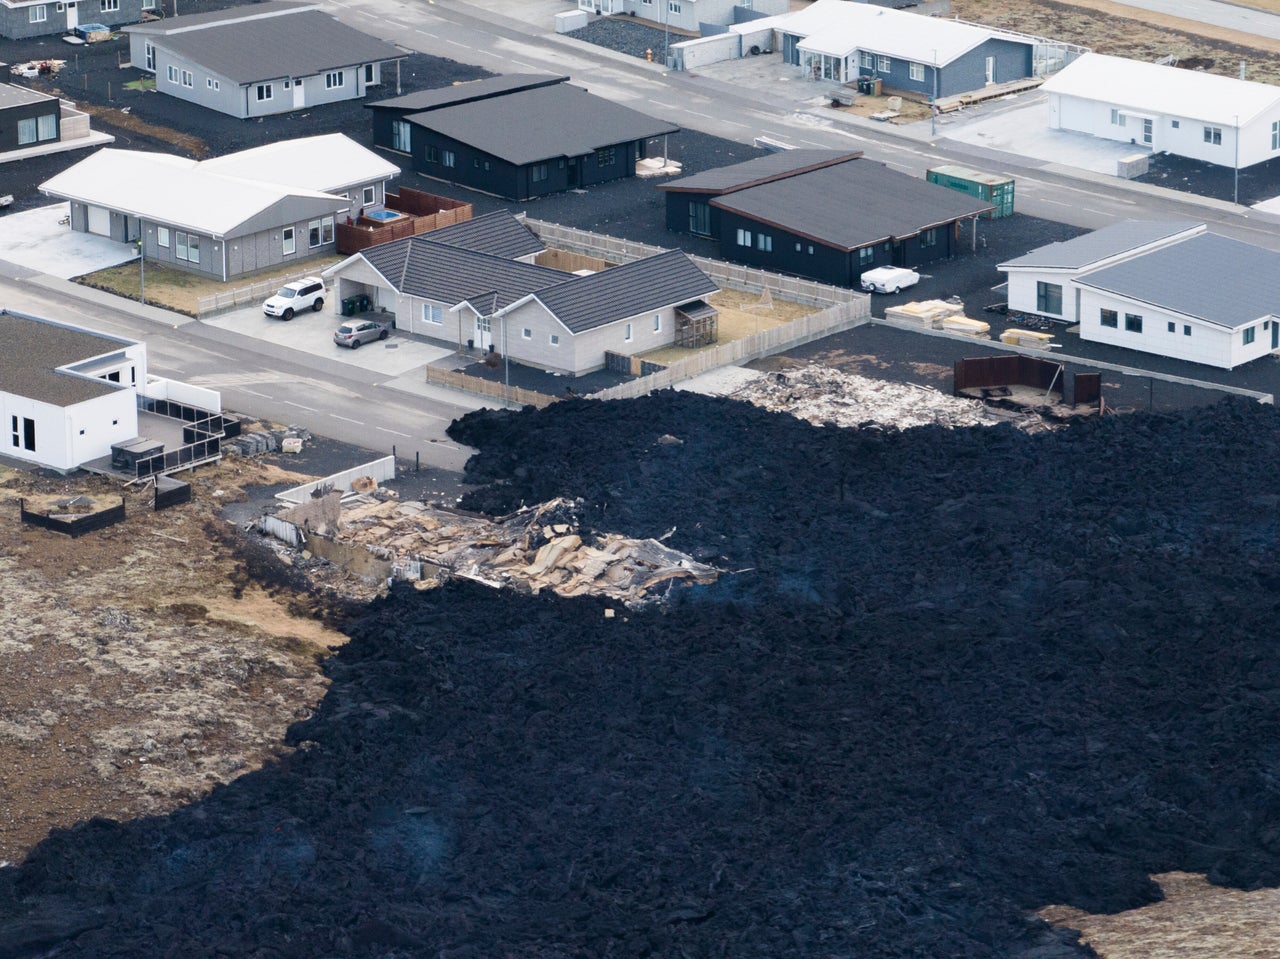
(993, 91)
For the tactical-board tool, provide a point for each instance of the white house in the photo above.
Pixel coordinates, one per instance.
(683, 14)
(1172, 289)
(66, 393)
(1221, 120)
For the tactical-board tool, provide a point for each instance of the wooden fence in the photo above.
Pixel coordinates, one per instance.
(482, 387)
(225, 300)
(352, 238)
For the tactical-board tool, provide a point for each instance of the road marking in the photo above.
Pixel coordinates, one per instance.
(309, 409)
(527, 66)
(659, 103)
(396, 432)
(425, 34)
(245, 389)
(347, 419)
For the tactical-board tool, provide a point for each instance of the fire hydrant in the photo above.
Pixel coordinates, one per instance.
(648, 55)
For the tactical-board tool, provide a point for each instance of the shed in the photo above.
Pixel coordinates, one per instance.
(994, 188)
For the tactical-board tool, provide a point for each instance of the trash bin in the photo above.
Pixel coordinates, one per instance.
(876, 86)
(362, 303)
(349, 306)
(864, 83)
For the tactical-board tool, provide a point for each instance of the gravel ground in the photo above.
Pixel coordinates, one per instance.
(627, 36)
(1257, 183)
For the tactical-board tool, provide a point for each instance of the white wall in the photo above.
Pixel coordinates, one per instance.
(1021, 293)
(690, 54)
(108, 419)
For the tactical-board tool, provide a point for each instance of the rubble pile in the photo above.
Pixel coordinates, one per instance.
(821, 395)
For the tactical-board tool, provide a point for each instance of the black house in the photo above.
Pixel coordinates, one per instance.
(823, 214)
(27, 118)
(516, 136)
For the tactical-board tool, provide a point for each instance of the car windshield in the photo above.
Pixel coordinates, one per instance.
(287, 293)
(346, 330)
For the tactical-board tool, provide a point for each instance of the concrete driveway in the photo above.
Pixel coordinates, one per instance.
(313, 333)
(34, 239)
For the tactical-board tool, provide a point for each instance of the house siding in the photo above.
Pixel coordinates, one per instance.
(25, 111)
(59, 444)
(15, 22)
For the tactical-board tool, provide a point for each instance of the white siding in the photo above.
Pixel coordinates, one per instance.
(105, 420)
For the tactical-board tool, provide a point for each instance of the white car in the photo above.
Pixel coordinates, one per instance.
(303, 294)
(889, 279)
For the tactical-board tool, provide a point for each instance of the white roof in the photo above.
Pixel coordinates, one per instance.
(326, 163)
(1167, 91)
(215, 196)
(837, 27)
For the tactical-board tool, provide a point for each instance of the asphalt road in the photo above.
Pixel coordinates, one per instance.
(1228, 15)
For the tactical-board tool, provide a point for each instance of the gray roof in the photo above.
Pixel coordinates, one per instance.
(1112, 240)
(295, 42)
(188, 20)
(1222, 281)
(498, 234)
(451, 274)
(666, 279)
(13, 96)
(34, 349)
(763, 169)
(851, 205)
(467, 92)
(542, 123)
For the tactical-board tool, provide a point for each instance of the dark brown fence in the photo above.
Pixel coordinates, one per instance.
(985, 372)
(428, 212)
(170, 492)
(73, 526)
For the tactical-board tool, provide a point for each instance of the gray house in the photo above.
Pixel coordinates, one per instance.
(266, 207)
(260, 59)
(563, 322)
(20, 19)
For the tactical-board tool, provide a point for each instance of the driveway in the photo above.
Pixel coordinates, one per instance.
(34, 239)
(313, 333)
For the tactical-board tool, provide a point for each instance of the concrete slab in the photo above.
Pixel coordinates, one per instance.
(36, 240)
(313, 333)
(724, 381)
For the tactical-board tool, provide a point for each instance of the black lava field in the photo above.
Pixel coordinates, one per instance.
(950, 677)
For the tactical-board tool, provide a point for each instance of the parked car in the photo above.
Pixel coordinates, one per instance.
(298, 295)
(354, 332)
(889, 279)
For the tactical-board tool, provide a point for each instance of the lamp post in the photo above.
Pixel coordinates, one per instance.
(1237, 163)
(666, 30)
(142, 267)
(933, 104)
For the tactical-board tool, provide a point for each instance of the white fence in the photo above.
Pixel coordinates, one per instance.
(158, 388)
(230, 299)
(282, 530)
(841, 316)
(382, 470)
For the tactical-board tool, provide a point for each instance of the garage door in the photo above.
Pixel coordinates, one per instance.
(100, 220)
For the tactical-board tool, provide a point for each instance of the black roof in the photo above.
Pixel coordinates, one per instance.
(35, 348)
(666, 279)
(466, 92)
(739, 176)
(852, 204)
(498, 233)
(248, 46)
(541, 123)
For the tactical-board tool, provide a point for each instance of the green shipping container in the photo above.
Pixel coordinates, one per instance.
(995, 189)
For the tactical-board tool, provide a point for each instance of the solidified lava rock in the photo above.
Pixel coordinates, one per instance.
(960, 675)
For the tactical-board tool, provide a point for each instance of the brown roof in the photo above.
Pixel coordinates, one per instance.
(35, 348)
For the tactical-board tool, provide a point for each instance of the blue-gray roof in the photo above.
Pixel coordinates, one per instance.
(1214, 278)
(1112, 240)
(466, 92)
(249, 47)
(542, 123)
(753, 172)
(498, 233)
(852, 204)
(451, 274)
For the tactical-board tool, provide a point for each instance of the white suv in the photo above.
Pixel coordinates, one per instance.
(298, 295)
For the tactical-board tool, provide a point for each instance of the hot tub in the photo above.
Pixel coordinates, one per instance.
(382, 217)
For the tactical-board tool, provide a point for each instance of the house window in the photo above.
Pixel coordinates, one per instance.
(929, 237)
(1110, 318)
(187, 246)
(212, 84)
(433, 154)
(673, 6)
(1250, 335)
(334, 79)
(400, 138)
(1117, 118)
(538, 172)
(526, 333)
(1049, 298)
(448, 158)
(882, 64)
(744, 238)
(149, 53)
(699, 218)
(1173, 327)
(368, 195)
(1213, 135)
(188, 79)
(265, 92)
(1275, 135)
(1133, 323)
(37, 15)
(108, 6)
(1175, 124)
(288, 242)
(866, 255)
(764, 243)
(1186, 329)
(606, 156)
(172, 73)
(432, 314)
(320, 232)
(368, 74)
(38, 129)
(657, 322)
(554, 339)
(868, 60)
(917, 72)
(811, 249)
(148, 4)
(26, 437)
(162, 236)
(626, 333)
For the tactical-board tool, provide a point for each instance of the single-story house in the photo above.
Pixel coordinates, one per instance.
(260, 59)
(264, 207)
(926, 56)
(823, 214)
(66, 393)
(517, 136)
(685, 15)
(1202, 116)
(20, 19)
(28, 118)
(1169, 288)
(557, 321)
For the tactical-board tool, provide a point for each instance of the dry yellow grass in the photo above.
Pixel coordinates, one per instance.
(741, 315)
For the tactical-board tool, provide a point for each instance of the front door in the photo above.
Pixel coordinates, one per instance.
(299, 100)
(484, 332)
(1146, 131)
(575, 179)
(73, 16)
(1275, 334)
(991, 69)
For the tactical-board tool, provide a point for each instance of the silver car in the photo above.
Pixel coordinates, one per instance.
(354, 332)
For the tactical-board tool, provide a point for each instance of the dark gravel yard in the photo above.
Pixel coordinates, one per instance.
(1256, 183)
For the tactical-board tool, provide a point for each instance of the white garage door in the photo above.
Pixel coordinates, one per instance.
(99, 220)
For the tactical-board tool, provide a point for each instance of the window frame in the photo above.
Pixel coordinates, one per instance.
(1213, 136)
(883, 64)
(288, 241)
(266, 92)
(335, 79)
(916, 72)
(1046, 295)
(1249, 336)
(1133, 322)
(1109, 318)
(38, 14)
